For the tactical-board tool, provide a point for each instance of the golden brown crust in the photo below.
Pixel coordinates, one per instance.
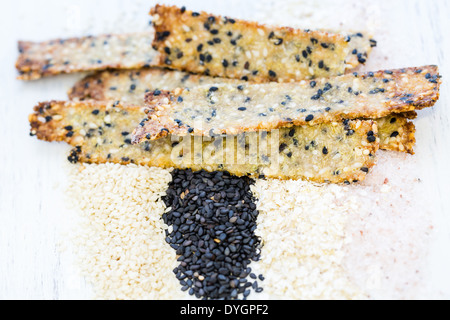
(202, 43)
(90, 87)
(125, 51)
(270, 106)
(100, 132)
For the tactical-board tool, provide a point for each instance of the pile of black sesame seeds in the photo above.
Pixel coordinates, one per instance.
(211, 221)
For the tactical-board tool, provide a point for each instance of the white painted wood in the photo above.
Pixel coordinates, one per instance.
(32, 173)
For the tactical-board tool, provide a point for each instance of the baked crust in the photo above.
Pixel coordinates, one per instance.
(203, 43)
(100, 132)
(125, 51)
(232, 109)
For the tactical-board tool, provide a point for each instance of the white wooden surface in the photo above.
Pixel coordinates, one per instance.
(32, 173)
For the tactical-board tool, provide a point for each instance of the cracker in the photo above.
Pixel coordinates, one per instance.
(202, 43)
(100, 132)
(125, 51)
(232, 109)
(130, 87)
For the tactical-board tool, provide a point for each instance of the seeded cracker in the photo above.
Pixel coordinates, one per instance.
(199, 42)
(126, 51)
(232, 109)
(99, 133)
(130, 86)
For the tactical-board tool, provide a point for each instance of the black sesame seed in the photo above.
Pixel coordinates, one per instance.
(278, 42)
(199, 47)
(292, 132)
(195, 14)
(327, 87)
(242, 108)
(132, 87)
(321, 64)
(325, 150)
(364, 169)
(225, 63)
(312, 84)
(272, 74)
(213, 216)
(95, 112)
(213, 89)
(309, 118)
(394, 134)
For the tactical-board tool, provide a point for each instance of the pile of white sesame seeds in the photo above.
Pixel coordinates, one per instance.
(119, 239)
